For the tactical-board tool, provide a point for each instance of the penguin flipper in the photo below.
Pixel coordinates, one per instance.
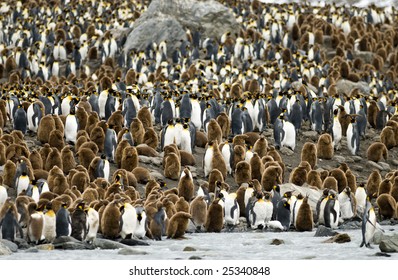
(233, 208)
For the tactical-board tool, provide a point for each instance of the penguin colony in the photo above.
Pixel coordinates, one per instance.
(95, 109)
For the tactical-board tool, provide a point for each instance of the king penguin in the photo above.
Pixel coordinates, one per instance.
(353, 137)
(71, 126)
(34, 114)
(332, 211)
(368, 224)
(9, 226)
(79, 222)
(20, 120)
(63, 223)
(142, 223)
(128, 220)
(110, 144)
(231, 211)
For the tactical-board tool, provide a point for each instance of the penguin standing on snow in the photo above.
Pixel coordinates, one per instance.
(128, 221)
(110, 144)
(63, 223)
(368, 224)
(231, 210)
(79, 222)
(9, 226)
(283, 213)
(332, 212)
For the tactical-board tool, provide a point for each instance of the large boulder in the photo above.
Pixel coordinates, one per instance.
(169, 20)
(345, 87)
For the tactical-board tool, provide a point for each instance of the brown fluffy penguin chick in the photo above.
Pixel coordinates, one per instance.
(314, 179)
(144, 115)
(304, 221)
(119, 152)
(224, 123)
(198, 209)
(145, 150)
(377, 151)
(324, 147)
(97, 136)
(35, 159)
(81, 180)
(182, 205)
(9, 173)
(152, 184)
(330, 183)
(137, 131)
(394, 189)
(298, 176)
(151, 138)
(373, 183)
(309, 153)
(387, 137)
(214, 218)
(385, 187)
(60, 185)
(46, 125)
(200, 139)
(351, 180)
(257, 167)
(214, 177)
(217, 161)
(240, 198)
(214, 131)
(141, 174)
(178, 224)
(35, 224)
(185, 185)
(53, 159)
(129, 158)
(172, 167)
(110, 220)
(187, 158)
(271, 177)
(261, 146)
(85, 156)
(243, 173)
(387, 206)
(339, 175)
(68, 159)
(239, 155)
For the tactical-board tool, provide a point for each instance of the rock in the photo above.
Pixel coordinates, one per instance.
(378, 237)
(389, 244)
(356, 158)
(130, 252)
(339, 159)
(372, 165)
(45, 247)
(323, 231)
(4, 250)
(367, 57)
(286, 151)
(63, 239)
(70, 246)
(9, 244)
(195, 258)
(345, 87)
(108, 244)
(313, 195)
(385, 166)
(339, 238)
(351, 225)
(189, 249)
(313, 135)
(145, 159)
(157, 175)
(357, 168)
(277, 242)
(22, 244)
(381, 254)
(169, 19)
(157, 161)
(133, 242)
(395, 162)
(32, 250)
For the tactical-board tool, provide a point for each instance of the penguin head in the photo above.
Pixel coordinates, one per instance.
(277, 188)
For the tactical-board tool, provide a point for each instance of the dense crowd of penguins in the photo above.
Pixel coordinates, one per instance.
(68, 81)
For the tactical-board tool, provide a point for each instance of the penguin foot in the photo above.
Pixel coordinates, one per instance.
(369, 246)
